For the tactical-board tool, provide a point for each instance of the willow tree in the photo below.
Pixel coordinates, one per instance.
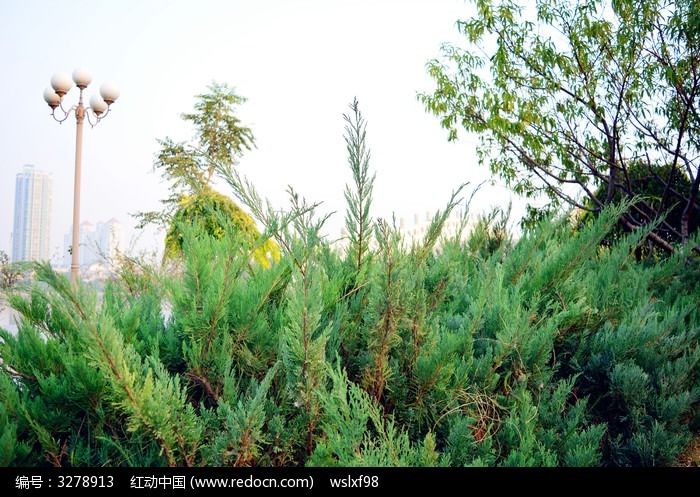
(220, 140)
(567, 96)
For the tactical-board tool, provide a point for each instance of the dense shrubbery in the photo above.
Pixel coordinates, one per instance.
(475, 350)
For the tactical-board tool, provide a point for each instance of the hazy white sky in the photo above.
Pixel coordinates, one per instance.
(299, 63)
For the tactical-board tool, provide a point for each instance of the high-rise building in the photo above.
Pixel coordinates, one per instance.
(109, 238)
(32, 222)
(89, 250)
(99, 243)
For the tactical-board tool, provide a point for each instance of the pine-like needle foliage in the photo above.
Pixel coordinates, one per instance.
(476, 349)
(358, 222)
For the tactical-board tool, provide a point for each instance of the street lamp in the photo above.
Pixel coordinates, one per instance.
(98, 110)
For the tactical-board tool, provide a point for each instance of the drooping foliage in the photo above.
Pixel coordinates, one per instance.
(568, 96)
(474, 349)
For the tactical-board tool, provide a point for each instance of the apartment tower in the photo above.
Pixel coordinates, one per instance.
(32, 221)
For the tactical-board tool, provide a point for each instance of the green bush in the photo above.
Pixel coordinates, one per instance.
(551, 350)
(214, 212)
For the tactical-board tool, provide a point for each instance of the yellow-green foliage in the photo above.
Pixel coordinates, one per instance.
(212, 209)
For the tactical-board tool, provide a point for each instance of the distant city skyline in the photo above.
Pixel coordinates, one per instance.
(31, 232)
(99, 243)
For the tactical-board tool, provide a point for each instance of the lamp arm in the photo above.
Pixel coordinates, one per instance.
(60, 104)
(66, 113)
(90, 111)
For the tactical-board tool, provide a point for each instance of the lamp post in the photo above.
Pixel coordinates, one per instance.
(98, 110)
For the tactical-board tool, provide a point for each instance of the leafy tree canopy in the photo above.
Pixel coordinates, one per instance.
(568, 96)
